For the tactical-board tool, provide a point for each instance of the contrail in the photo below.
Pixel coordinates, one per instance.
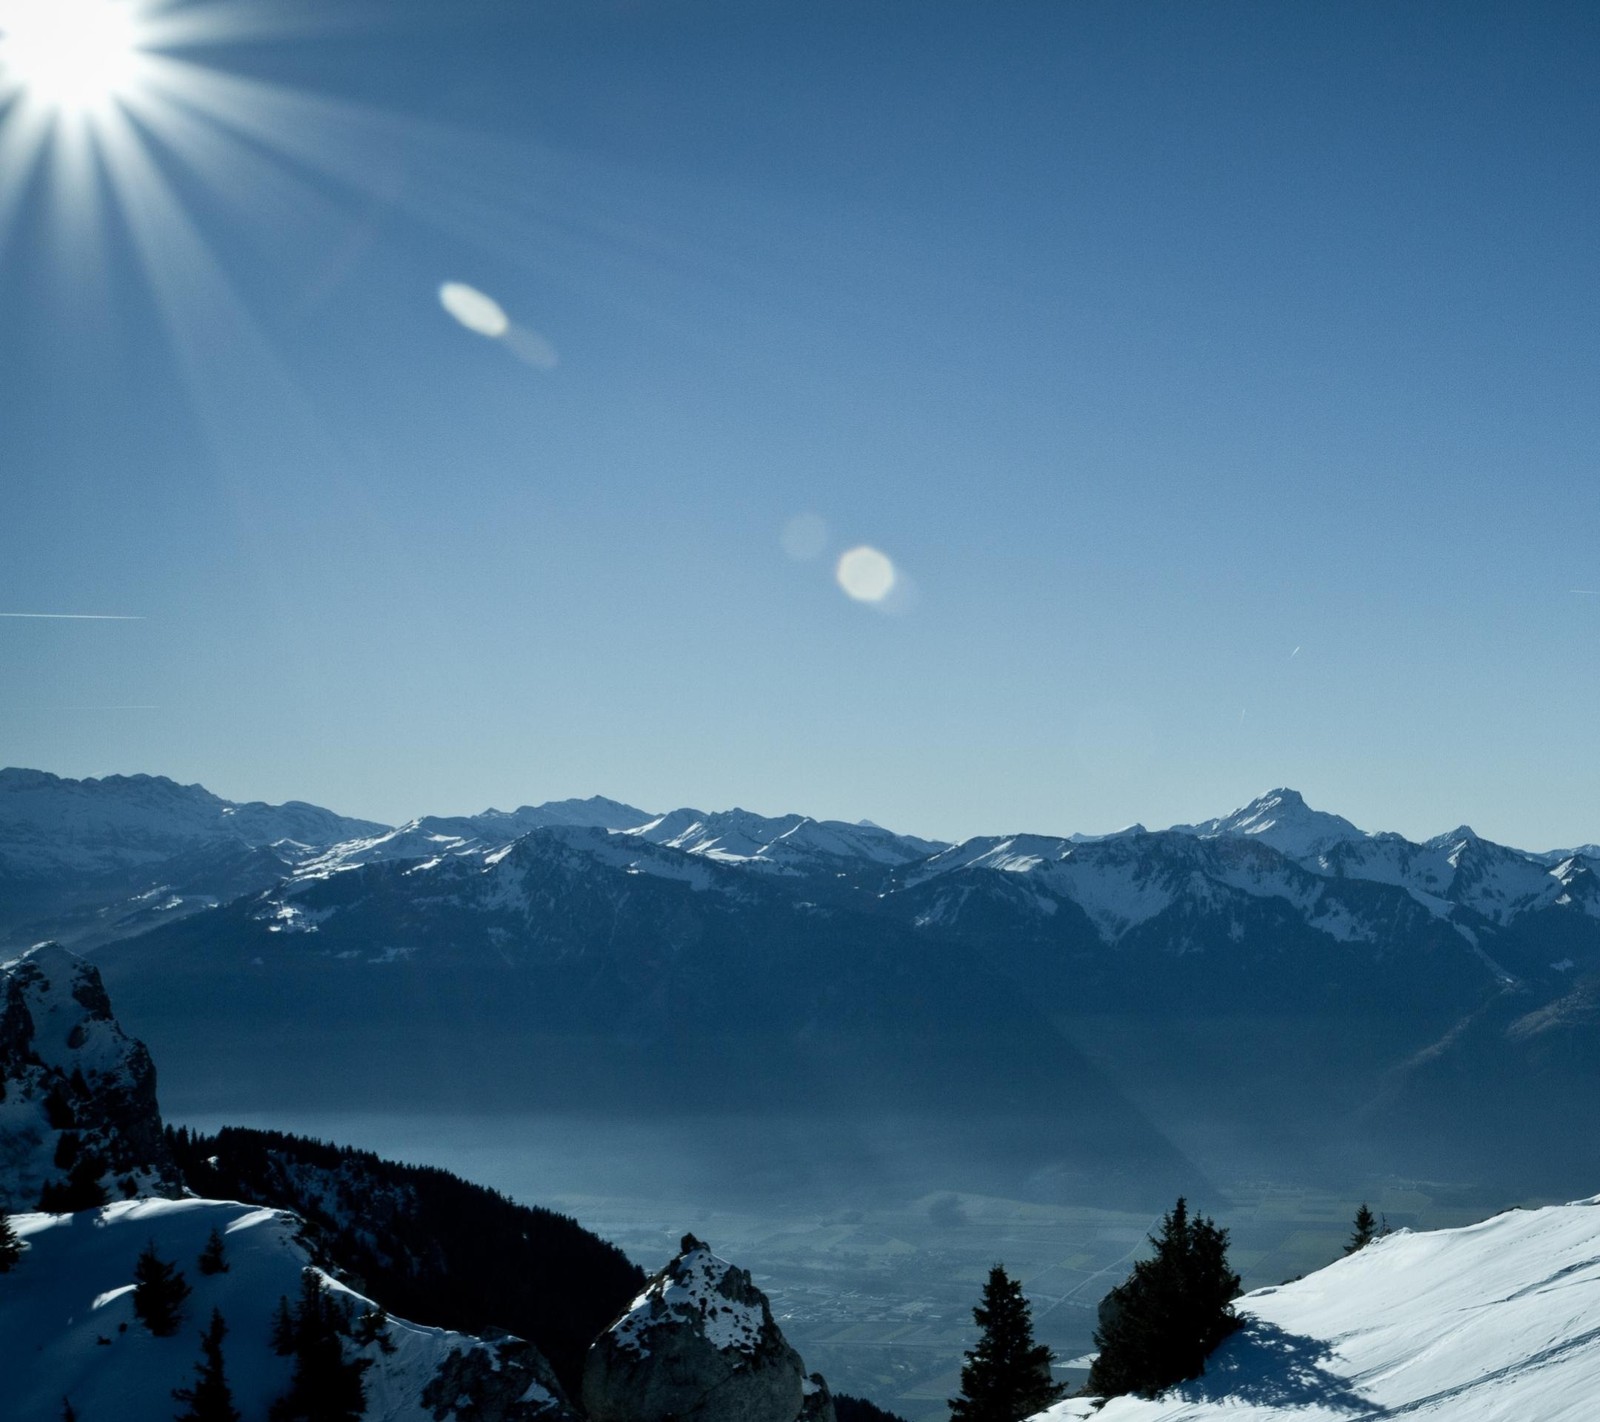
(38, 710)
(75, 616)
(1587, 592)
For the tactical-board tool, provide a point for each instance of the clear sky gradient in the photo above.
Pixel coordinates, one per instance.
(1221, 379)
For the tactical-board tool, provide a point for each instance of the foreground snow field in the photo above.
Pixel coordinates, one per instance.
(1497, 1322)
(68, 1330)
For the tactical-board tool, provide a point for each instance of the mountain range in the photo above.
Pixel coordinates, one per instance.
(1275, 978)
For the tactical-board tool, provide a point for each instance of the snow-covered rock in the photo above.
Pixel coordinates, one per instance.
(1497, 1322)
(70, 1332)
(77, 1095)
(699, 1345)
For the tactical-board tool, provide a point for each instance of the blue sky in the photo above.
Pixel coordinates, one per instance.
(1151, 342)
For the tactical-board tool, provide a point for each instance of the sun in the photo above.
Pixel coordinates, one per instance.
(73, 57)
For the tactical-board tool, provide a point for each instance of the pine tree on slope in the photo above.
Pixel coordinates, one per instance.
(1157, 1327)
(159, 1293)
(10, 1245)
(1366, 1230)
(213, 1258)
(210, 1399)
(326, 1386)
(1007, 1375)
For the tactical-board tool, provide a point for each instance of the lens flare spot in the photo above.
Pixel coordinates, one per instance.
(477, 312)
(804, 537)
(531, 348)
(866, 574)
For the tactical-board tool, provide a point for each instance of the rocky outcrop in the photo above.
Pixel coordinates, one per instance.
(816, 1402)
(700, 1345)
(499, 1380)
(79, 1122)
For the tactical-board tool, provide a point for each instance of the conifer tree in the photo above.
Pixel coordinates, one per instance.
(1157, 1327)
(282, 1329)
(210, 1399)
(213, 1258)
(326, 1386)
(1006, 1377)
(1366, 1230)
(10, 1245)
(159, 1293)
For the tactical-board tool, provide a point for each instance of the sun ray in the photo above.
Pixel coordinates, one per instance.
(238, 386)
(23, 133)
(260, 188)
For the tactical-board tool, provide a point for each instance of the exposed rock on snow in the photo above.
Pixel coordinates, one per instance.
(503, 1381)
(77, 1095)
(699, 1345)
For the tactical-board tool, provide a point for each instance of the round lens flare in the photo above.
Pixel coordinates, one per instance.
(73, 56)
(866, 574)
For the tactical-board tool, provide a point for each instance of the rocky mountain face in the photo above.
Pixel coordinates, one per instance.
(79, 1122)
(699, 1345)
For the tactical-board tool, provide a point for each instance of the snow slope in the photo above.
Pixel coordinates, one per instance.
(1497, 1322)
(69, 1331)
(50, 825)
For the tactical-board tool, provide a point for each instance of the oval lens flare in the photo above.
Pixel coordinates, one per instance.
(474, 310)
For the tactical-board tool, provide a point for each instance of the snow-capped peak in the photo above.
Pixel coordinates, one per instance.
(1282, 819)
(1451, 839)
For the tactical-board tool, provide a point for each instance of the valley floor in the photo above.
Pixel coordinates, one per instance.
(874, 1283)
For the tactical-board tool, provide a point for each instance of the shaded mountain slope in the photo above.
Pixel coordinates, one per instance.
(435, 1248)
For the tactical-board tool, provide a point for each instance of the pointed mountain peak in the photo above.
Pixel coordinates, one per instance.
(1282, 819)
(1461, 834)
